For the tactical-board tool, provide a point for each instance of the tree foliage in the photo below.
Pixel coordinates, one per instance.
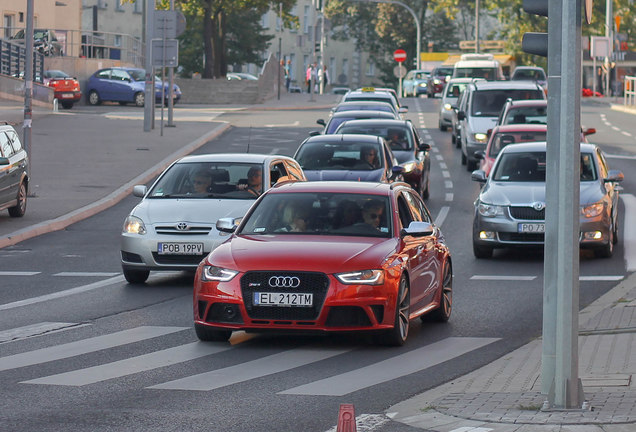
(381, 28)
(223, 32)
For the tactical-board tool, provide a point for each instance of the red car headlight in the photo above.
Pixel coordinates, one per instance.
(365, 277)
(219, 274)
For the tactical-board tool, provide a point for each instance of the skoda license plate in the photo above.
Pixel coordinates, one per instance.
(531, 228)
(180, 248)
(283, 299)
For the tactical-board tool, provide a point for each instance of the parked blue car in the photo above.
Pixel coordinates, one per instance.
(124, 85)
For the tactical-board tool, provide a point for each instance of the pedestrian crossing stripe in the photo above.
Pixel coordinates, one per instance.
(258, 368)
(338, 385)
(84, 346)
(393, 368)
(132, 365)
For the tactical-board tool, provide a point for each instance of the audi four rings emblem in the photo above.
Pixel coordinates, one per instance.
(284, 282)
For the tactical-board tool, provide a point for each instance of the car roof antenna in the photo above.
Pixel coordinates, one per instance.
(249, 140)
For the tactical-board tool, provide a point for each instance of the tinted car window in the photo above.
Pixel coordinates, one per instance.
(527, 115)
(488, 73)
(488, 103)
(323, 213)
(521, 167)
(500, 140)
(405, 138)
(105, 74)
(225, 179)
(338, 156)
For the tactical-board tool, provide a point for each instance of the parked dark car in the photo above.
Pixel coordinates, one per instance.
(124, 85)
(411, 152)
(14, 176)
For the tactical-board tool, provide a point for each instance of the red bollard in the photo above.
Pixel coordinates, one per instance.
(346, 418)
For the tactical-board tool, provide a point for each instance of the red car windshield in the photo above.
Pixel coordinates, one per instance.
(339, 214)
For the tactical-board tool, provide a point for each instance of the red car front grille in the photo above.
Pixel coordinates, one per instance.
(314, 283)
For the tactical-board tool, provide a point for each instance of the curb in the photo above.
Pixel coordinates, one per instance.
(111, 199)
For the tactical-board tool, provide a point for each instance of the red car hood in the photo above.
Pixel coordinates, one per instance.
(328, 254)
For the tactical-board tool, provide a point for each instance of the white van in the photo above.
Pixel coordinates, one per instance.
(478, 66)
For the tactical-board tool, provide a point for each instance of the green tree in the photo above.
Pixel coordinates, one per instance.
(226, 32)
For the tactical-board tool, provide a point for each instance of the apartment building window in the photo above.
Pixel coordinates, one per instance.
(101, 4)
(306, 20)
(344, 76)
(138, 6)
(119, 7)
(8, 26)
(293, 12)
(332, 69)
(117, 40)
(265, 21)
(370, 70)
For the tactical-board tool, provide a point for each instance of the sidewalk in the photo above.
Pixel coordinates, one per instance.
(503, 396)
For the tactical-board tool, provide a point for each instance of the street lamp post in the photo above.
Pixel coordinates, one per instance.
(417, 24)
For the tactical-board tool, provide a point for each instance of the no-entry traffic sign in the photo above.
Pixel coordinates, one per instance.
(399, 55)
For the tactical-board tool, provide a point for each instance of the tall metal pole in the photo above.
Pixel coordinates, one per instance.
(322, 49)
(28, 85)
(171, 84)
(280, 41)
(149, 95)
(477, 26)
(559, 363)
(609, 27)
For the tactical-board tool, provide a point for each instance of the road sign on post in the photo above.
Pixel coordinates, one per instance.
(165, 52)
(399, 55)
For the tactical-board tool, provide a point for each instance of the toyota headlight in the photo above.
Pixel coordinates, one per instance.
(489, 210)
(366, 277)
(134, 225)
(219, 274)
(448, 107)
(592, 210)
(481, 137)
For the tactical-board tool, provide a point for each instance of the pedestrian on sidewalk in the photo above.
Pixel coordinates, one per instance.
(308, 76)
(288, 75)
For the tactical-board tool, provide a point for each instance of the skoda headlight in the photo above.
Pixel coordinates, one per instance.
(214, 273)
(481, 137)
(436, 81)
(448, 107)
(134, 225)
(489, 210)
(592, 210)
(366, 277)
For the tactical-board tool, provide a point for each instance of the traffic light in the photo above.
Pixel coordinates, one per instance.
(535, 43)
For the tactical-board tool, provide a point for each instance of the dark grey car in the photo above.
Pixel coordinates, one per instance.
(14, 176)
(510, 209)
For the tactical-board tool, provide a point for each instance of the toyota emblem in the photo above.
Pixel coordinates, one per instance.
(284, 282)
(182, 226)
(538, 206)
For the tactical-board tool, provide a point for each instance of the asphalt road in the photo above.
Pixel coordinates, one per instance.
(82, 350)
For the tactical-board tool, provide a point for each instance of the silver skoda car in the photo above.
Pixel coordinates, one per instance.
(510, 209)
(174, 225)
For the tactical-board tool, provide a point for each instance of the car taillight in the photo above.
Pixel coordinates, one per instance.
(53, 83)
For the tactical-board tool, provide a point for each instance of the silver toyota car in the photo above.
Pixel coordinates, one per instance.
(174, 226)
(510, 209)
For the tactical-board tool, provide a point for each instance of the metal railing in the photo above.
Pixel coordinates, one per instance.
(12, 61)
(88, 44)
(630, 91)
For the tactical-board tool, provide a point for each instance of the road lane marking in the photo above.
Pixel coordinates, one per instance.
(449, 197)
(445, 174)
(629, 231)
(19, 273)
(34, 330)
(500, 277)
(60, 294)
(84, 274)
(441, 216)
(448, 184)
(129, 366)
(392, 368)
(296, 123)
(601, 278)
(626, 133)
(85, 346)
(258, 368)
